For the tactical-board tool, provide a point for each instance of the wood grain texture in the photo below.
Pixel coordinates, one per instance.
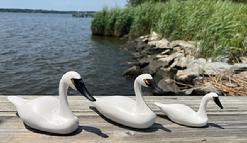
(228, 125)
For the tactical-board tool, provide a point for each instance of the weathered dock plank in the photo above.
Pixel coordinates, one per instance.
(228, 125)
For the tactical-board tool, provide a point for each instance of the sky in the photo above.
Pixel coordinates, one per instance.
(77, 5)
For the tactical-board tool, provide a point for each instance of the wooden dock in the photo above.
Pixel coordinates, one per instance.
(228, 125)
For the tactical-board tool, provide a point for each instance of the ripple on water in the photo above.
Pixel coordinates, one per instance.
(36, 49)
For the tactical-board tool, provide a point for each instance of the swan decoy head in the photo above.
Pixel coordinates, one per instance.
(216, 99)
(146, 80)
(74, 81)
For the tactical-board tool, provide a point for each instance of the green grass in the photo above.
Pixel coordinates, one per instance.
(220, 27)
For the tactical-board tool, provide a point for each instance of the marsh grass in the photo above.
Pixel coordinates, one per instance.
(219, 27)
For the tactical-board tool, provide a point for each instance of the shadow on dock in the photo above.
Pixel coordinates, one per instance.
(155, 127)
(78, 131)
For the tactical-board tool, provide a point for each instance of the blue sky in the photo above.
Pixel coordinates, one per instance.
(62, 4)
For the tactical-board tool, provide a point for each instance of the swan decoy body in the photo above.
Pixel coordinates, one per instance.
(126, 111)
(184, 115)
(50, 113)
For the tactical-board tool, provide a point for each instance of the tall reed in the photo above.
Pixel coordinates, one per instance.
(219, 27)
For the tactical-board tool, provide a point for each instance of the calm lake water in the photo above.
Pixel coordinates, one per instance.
(37, 49)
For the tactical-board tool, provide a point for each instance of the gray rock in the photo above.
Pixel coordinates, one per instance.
(168, 60)
(183, 44)
(202, 89)
(132, 71)
(183, 62)
(161, 56)
(153, 66)
(215, 67)
(166, 52)
(143, 38)
(197, 64)
(168, 86)
(137, 55)
(164, 73)
(194, 69)
(140, 46)
(185, 76)
(160, 44)
(186, 47)
(239, 67)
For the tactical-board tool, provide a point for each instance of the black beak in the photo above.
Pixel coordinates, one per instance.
(80, 86)
(217, 101)
(152, 85)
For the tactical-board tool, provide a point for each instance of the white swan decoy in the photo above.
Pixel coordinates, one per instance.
(126, 111)
(184, 115)
(52, 114)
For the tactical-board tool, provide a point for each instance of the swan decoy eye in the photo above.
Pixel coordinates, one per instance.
(73, 80)
(146, 82)
(217, 101)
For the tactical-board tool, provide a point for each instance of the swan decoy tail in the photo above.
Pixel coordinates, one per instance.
(17, 101)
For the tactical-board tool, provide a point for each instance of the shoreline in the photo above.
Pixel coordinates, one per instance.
(178, 69)
(73, 13)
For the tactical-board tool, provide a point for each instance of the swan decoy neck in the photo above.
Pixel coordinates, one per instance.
(80, 86)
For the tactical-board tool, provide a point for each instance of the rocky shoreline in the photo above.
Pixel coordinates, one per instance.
(176, 68)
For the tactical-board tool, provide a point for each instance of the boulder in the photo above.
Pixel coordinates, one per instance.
(164, 73)
(183, 62)
(153, 66)
(140, 46)
(137, 55)
(132, 71)
(194, 69)
(168, 86)
(144, 38)
(185, 76)
(197, 64)
(202, 89)
(239, 67)
(183, 44)
(168, 60)
(166, 52)
(212, 68)
(187, 47)
(160, 44)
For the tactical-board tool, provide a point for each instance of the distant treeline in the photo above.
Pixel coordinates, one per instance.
(83, 14)
(138, 2)
(74, 13)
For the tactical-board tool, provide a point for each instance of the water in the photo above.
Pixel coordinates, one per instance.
(37, 49)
